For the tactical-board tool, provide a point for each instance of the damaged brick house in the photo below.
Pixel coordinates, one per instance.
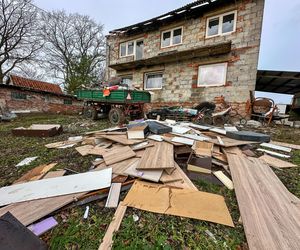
(196, 53)
(36, 96)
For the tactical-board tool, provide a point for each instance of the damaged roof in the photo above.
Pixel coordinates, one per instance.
(194, 8)
(35, 84)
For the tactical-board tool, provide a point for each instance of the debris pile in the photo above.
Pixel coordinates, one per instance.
(156, 162)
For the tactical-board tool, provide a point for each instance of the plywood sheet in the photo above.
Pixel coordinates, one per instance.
(270, 213)
(276, 163)
(55, 186)
(174, 176)
(113, 195)
(120, 167)
(151, 175)
(160, 156)
(53, 174)
(180, 202)
(36, 173)
(118, 154)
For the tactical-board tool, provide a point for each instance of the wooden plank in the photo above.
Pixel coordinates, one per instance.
(175, 176)
(113, 195)
(179, 202)
(53, 174)
(284, 144)
(151, 175)
(276, 147)
(30, 211)
(118, 154)
(121, 139)
(120, 167)
(113, 227)
(276, 163)
(160, 156)
(270, 213)
(55, 186)
(273, 153)
(184, 183)
(36, 173)
(84, 150)
(224, 179)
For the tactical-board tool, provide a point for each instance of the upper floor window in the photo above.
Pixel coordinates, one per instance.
(132, 48)
(171, 37)
(18, 96)
(221, 24)
(212, 75)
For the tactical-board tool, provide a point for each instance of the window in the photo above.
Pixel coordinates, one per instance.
(212, 75)
(68, 101)
(127, 80)
(171, 37)
(18, 96)
(221, 25)
(132, 48)
(153, 80)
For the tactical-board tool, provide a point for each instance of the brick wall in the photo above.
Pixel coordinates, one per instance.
(180, 78)
(38, 102)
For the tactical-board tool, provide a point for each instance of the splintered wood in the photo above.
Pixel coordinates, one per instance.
(160, 156)
(118, 154)
(270, 213)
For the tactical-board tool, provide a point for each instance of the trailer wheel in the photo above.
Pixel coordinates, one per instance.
(116, 116)
(90, 113)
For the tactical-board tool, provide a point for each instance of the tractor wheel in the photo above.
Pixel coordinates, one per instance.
(206, 119)
(219, 120)
(116, 116)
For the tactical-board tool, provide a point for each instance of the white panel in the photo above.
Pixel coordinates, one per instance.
(273, 153)
(56, 186)
(273, 146)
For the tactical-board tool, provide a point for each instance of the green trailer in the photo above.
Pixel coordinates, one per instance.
(118, 106)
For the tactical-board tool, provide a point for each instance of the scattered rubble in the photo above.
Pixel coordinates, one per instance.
(146, 158)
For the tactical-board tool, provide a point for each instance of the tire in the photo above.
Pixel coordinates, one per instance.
(116, 116)
(219, 120)
(90, 113)
(206, 119)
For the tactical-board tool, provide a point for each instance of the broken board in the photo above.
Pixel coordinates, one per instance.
(55, 186)
(276, 163)
(179, 202)
(113, 195)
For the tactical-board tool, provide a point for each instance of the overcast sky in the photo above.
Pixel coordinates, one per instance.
(280, 45)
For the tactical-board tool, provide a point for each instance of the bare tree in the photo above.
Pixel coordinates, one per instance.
(74, 48)
(19, 41)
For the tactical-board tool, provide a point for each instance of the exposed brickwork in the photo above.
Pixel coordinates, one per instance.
(39, 102)
(180, 78)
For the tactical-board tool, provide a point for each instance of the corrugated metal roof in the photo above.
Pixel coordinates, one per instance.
(282, 82)
(36, 85)
(193, 7)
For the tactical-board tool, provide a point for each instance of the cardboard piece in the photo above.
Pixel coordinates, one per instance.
(180, 202)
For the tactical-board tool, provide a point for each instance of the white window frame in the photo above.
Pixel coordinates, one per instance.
(127, 77)
(220, 17)
(134, 47)
(171, 37)
(210, 65)
(153, 73)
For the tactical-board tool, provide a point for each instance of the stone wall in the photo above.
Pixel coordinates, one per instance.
(180, 78)
(39, 102)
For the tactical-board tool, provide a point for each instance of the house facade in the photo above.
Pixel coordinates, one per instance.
(22, 94)
(204, 51)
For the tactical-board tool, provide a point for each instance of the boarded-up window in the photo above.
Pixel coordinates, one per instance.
(212, 75)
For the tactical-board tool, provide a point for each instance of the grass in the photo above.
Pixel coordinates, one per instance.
(151, 231)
